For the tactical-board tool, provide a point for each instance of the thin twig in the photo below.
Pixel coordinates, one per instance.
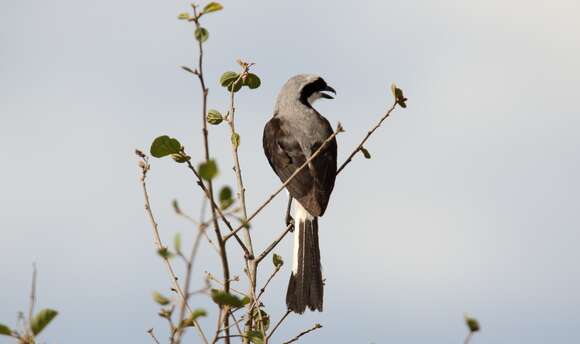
(278, 324)
(216, 208)
(468, 338)
(144, 169)
(369, 133)
(315, 327)
(263, 289)
(150, 331)
(252, 267)
(221, 242)
(274, 243)
(339, 129)
(32, 297)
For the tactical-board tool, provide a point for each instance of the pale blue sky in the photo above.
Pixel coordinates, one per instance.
(469, 204)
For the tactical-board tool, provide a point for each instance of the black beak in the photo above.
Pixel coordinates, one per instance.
(326, 95)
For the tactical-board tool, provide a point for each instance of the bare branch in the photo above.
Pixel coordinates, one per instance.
(216, 208)
(32, 298)
(145, 167)
(315, 327)
(274, 244)
(150, 331)
(369, 133)
(468, 338)
(278, 324)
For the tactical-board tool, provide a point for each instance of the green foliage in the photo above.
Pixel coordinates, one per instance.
(41, 320)
(183, 16)
(252, 81)
(277, 260)
(5, 330)
(165, 145)
(177, 242)
(228, 77)
(365, 152)
(208, 170)
(235, 140)
(165, 253)
(264, 316)
(201, 34)
(190, 322)
(226, 299)
(232, 81)
(214, 117)
(226, 197)
(399, 97)
(256, 337)
(160, 299)
(472, 324)
(212, 7)
(180, 157)
(176, 207)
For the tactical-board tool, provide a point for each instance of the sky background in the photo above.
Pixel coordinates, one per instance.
(469, 203)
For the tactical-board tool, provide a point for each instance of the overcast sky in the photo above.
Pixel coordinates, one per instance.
(469, 203)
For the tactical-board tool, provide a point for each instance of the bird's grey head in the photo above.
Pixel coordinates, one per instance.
(304, 89)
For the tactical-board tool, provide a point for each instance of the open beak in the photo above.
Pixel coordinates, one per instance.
(326, 95)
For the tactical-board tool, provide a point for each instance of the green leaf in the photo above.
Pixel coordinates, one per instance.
(365, 152)
(180, 157)
(160, 299)
(265, 318)
(5, 330)
(176, 207)
(201, 34)
(165, 145)
(41, 320)
(208, 170)
(252, 81)
(214, 117)
(190, 322)
(228, 77)
(398, 94)
(226, 197)
(222, 298)
(177, 242)
(472, 324)
(277, 260)
(183, 16)
(212, 7)
(235, 86)
(235, 140)
(164, 253)
(256, 337)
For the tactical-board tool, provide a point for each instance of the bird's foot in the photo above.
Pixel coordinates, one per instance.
(290, 222)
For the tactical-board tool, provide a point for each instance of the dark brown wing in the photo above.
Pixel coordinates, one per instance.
(313, 184)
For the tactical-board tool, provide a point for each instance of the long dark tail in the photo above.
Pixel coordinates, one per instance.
(305, 288)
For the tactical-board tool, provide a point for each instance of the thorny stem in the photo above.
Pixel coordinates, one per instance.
(144, 169)
(221, 242)
(283, 186)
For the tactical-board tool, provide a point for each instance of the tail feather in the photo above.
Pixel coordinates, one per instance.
(305, 288)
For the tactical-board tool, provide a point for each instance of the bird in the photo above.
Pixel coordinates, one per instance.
(293, 134)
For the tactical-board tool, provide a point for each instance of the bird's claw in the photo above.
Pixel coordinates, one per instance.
(290, 222)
